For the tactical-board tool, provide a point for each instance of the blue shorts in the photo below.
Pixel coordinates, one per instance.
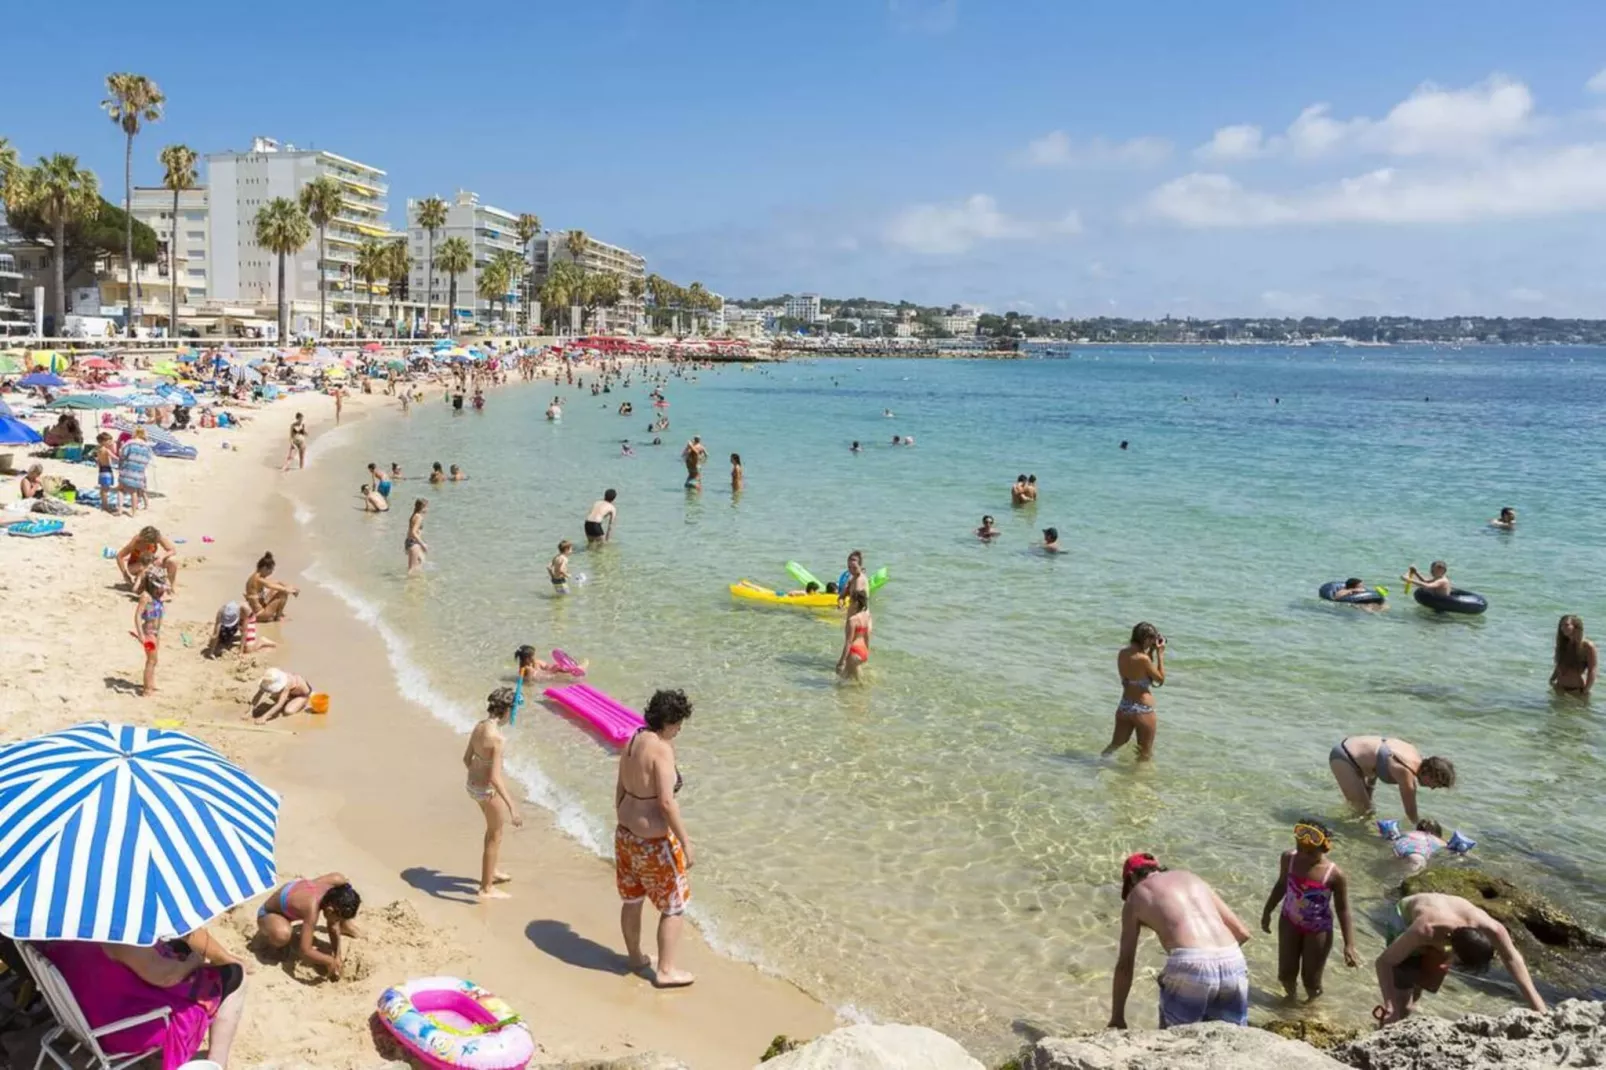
(1209, 984)
(384, 489)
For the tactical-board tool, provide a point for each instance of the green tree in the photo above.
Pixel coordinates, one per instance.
(282, 228)
(577, 243)
(56, 193)
(131, 100)
(322, 200)
(560, 290)
(178, 175)
(527, 227)
(456, 258)
(510, 268)
(432, 217)
(599, 289)
(8, 165)
(373, 264)
(398, 265)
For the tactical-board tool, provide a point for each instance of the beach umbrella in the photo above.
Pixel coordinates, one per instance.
(372, 347)
(13, 432)
(98, 364)
(175, 395)
(167, 368)
(188, 357)
(10, 364)
(147, 400)
(49, 359)
(41, 379)
(153, 433)
(85, 401)
(125, 834)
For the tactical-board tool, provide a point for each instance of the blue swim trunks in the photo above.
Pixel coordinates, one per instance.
(384, 489)
(1208, 984)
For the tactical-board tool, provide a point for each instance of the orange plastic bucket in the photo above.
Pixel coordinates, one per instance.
(318, 703)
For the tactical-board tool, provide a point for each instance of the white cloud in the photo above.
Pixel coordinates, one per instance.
(1240, 142)
(1567, 180)
(1056, 149)
(937, 229)
(1597, 83)
(1431, 121)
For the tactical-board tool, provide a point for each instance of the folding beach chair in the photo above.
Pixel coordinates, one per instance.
(70, 1022)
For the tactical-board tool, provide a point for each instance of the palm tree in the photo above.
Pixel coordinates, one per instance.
(131, 99)
(577, 243)
(321, 199)
(696, 301)
(178, 162)
(373, 264)
(636, 288)
(397, 266)
(492, 284)
(456, 258)
(560, 289)
(282, 228)
(432, 217)
(600, 289)
(8, 163)
(528, 226)
(513, 266)
(61, 194)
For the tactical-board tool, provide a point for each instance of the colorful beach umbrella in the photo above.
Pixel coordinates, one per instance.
(98, 364)
(175, 395)
(41, 379)
(124, 834)
(10, 364)
(372, 347)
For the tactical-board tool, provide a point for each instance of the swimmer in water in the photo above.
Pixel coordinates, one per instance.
(1576, 662)
(1051, 541)
(897, 440)
(736, 471)
(437, 474)
(694, 455)
(1439, 582)
(855, 448)
(1017, 493)
(1506, 521)
(457, 476)
(988, 530)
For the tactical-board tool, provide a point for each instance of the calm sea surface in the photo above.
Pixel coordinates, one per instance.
(941, 845)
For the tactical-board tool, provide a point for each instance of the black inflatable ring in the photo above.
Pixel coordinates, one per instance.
(1457, 601)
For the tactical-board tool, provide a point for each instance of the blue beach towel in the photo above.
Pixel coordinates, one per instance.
(32, 529)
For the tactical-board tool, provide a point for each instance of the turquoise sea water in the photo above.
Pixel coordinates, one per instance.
(942, 844)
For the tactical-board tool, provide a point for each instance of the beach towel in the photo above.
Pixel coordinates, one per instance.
(32, 529)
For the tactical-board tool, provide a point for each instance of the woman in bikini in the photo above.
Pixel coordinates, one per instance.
(1576, 661)
(1360, 762)
(414, 543)
(291, 912)
(266, 596)
(298, 444)
(651, 848)
(855, 635)
(487, 787)
(1141, 665)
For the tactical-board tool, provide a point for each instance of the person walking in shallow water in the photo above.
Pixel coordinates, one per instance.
(1576, 660)
(487, 786)
(414, 544)
(1141, 665)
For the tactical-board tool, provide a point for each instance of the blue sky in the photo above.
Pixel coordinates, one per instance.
(1054, 156)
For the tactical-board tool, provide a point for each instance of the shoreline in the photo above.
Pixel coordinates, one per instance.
(552, 951)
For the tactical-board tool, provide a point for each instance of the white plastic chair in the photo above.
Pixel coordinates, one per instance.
(70, 1020)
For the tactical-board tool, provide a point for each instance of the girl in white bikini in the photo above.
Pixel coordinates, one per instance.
(487, 787)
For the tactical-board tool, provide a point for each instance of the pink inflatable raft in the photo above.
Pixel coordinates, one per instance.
(450, 1024)
(612, 720)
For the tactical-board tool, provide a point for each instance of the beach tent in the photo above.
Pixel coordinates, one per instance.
(50, 359)
(13, 432)
(193, 835)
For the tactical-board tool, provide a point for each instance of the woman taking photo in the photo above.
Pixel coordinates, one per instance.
(1575, 668)
(487, 786)
(651, 849)
(1141, 665)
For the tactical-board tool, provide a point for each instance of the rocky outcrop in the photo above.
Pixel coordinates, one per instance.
(1570, 1034)
(877, 1047)
(1212, 1046)
(1556, 945)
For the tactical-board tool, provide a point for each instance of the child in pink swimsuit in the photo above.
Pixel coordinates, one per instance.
(1308, 887)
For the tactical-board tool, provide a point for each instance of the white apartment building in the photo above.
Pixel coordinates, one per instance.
(552, 247)
(188, 235)
(488, 231)
(805, 307)
(241, 271)
(960, 324)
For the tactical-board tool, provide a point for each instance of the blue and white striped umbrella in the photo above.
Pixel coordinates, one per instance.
(127, 835)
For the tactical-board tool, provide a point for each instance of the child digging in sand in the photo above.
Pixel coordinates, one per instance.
(1308, 886)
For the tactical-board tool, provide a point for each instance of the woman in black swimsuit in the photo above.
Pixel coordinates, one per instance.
(1576, 660)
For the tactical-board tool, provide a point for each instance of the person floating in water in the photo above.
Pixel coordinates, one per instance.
(1051, 541)
(988, 530)
(1439, 582)
(458, 475)
(1312, 892)
(1506, 521)
(855, 448)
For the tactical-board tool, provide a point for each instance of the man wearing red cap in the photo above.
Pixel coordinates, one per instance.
(1205, 978)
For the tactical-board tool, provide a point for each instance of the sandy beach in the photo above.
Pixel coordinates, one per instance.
(373, 790)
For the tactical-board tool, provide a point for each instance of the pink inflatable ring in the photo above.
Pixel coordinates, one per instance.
(447, 1023)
